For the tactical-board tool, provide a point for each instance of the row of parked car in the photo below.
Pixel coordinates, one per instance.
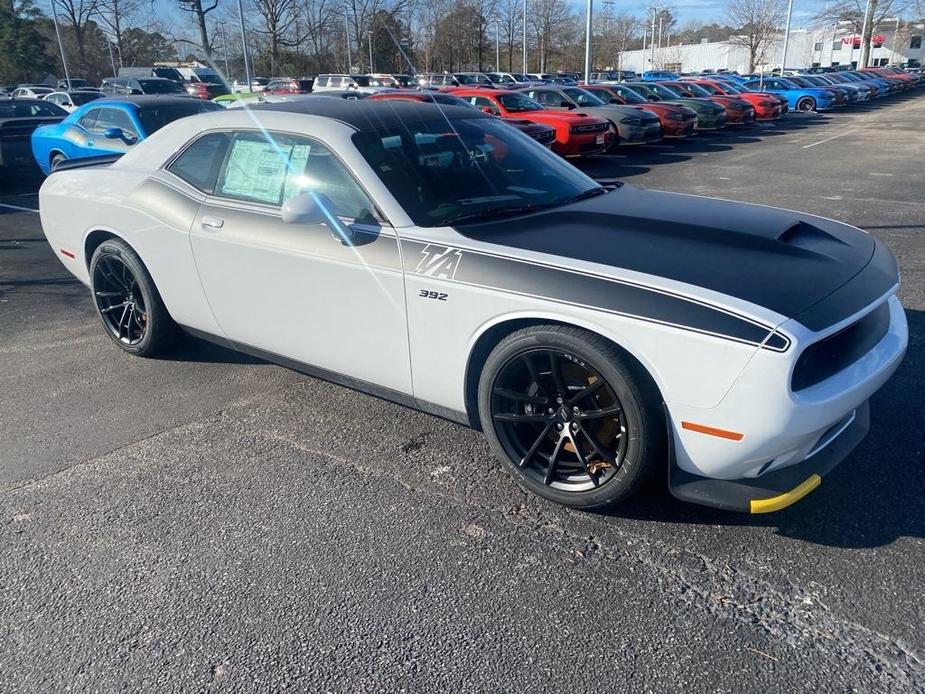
(571, 118)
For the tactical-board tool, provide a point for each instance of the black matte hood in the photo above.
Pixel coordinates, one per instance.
(783, 261)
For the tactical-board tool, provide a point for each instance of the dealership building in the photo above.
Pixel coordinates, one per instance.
(835, 45)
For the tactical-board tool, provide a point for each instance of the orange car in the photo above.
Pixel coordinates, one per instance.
(766, 108)
(577, 135)
(676, 121)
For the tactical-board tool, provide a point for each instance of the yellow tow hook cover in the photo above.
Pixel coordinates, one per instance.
(776, 503)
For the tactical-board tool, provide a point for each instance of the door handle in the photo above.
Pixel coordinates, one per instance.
(212, 222)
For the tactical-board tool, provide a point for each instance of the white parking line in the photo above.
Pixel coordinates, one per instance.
(18, 208)
(847, 132)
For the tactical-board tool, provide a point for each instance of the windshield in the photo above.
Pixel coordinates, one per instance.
(628, 95)
(158, 86)
(466, 79)
(84, 97)
(520, 77)
(710, 89)
(583, 98)
(696, 89)
(518, 103)
(153, 118)
(665, 92)
(502, 79)
(469, 169)
(361, 80)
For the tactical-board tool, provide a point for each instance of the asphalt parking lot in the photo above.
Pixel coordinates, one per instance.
(209, 522)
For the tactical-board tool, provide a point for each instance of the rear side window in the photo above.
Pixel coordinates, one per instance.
(200, 163)
(322, 82)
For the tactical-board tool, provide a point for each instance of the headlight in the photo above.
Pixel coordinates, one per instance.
(631, 120)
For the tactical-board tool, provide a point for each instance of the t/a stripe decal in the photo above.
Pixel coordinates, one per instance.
(580, 289)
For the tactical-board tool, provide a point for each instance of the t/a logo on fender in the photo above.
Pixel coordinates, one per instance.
(439, 262)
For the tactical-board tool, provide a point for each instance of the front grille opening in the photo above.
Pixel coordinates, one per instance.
(824, 359)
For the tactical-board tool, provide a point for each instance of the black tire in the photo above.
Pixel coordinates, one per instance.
(576, 473)
(124, 292)
(806, 104)
(56, 159)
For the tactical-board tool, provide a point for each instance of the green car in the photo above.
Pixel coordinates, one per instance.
(226, 99)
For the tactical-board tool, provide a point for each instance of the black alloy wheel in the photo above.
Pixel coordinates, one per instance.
(806, 104)
(560, 419)
(574, 417)
(119, 300)
(127, 301)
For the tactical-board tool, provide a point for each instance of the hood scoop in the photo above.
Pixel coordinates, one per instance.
(808, 236)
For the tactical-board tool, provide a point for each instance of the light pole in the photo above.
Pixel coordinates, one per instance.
(652, 39)
(347, 39)
(54, 15)
(588, 41)
(225, 51)
(112, 59)
(660, 18)
(369, 38)
(783, 59)
(247, 66)
(862, 57)
(525, 39)
(497, 45)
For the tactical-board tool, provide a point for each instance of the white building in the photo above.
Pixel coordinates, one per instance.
(837, 45)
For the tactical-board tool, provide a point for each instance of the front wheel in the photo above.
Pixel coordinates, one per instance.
(572, 419)
(127, 301)
(614, 136)
(56, 159)
(806, 104)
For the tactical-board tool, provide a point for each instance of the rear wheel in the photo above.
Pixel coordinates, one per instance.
(565, 411)
(127, 301)
(807, 103)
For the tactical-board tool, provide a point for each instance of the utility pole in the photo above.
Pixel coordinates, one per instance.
(588, 41)
(660, 18)
(525, 38)
(54, 15)
(112, 59)
(247, 67)
(783, 59)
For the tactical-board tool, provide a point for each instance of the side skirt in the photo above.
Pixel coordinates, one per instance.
(357, 384)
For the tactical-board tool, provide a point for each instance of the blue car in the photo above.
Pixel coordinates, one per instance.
(658, 76)
(110, 126)
(799, 98)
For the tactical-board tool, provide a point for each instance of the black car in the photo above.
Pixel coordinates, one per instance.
(18, 118)
(113, 86)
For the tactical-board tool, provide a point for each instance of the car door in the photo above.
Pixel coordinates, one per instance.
(107, 118)
(301, 291)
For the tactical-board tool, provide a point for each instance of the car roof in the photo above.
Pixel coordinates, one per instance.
(371, 115)
(144, 100)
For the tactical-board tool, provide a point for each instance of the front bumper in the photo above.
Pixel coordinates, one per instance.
(709, 121)
(776, 427)
(639, 134)
(780, 488)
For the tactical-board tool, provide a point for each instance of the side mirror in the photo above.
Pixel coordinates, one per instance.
(315, 208)
(113, 134)
(137, 91)
(652, 98)
(489, 110)
(567, 104)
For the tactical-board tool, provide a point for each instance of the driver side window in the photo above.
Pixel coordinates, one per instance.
(269, 168)
(114, 118)
(548, 98)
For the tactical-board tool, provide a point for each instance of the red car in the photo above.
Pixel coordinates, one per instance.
(906, 80)
(577, 135)
(676, 121)
(766, 108)
(287, 85)
(738, 110)
(543, 134)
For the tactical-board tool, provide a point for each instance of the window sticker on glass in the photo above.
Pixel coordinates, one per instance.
(297, 182)
(258, 169)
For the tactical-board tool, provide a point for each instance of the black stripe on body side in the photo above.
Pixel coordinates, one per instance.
(584, 289)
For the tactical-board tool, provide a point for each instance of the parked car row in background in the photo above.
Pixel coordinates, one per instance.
(575, 119)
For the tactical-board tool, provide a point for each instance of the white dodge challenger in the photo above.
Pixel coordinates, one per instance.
(436, 257)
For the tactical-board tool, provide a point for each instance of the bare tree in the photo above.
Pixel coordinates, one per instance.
(757, 24)
(116, 15)
(79, 14)
(200, 12)
(279, 27)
